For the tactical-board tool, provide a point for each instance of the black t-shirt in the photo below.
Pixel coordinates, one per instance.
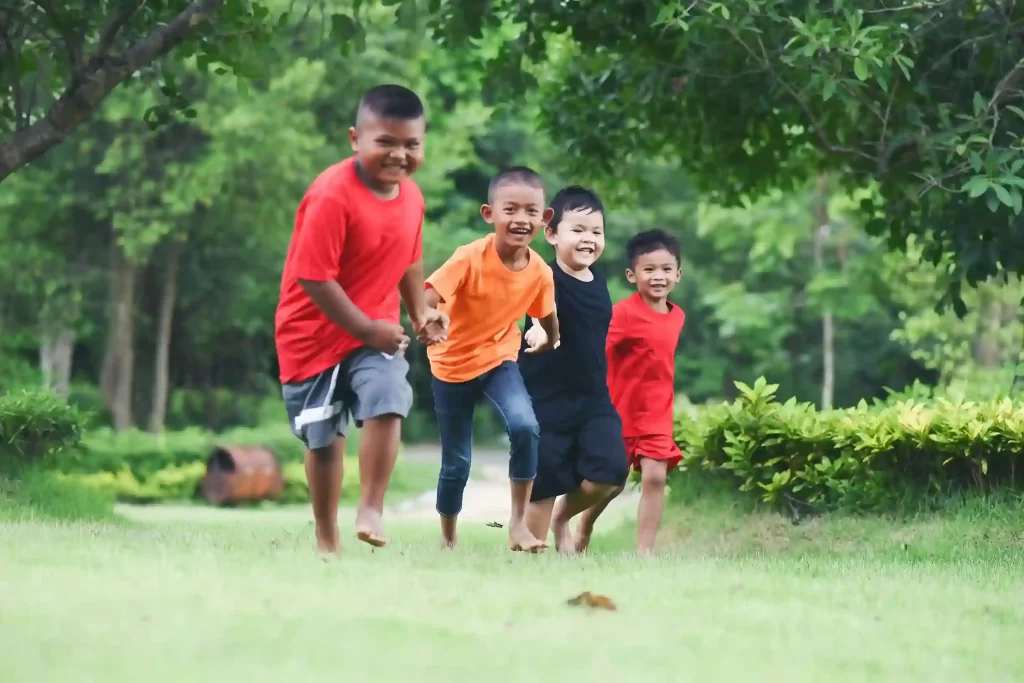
(574, 377)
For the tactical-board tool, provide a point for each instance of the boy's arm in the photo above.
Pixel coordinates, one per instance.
(543, 313)
(422, 315)
(317, 257)
(616, 330)
(444, 282)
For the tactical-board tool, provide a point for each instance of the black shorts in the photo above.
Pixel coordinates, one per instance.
(590, 448)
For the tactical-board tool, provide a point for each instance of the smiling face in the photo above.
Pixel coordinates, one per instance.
(578, 239)
(517, 213)
(388, 149)
(655, 275)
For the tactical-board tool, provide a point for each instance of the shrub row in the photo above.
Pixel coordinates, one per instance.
(181, 482)
(867, 457)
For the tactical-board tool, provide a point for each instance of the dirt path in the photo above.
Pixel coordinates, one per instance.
(486, 497)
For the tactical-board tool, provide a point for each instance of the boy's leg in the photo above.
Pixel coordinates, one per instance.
(382, 398)
(324, 471)
(585, 525)
(454, 403)
(504, 388)
(653, 474)
(555, 477)
(318, 417)
(654, 457)
(602, 466)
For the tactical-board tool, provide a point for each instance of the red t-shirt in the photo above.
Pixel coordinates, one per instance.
(343, 232)
(641, 349)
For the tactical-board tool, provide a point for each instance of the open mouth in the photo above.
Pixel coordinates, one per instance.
(585, 250)
(522, 232)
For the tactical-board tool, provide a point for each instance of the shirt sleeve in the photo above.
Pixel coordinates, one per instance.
(417, 248)
(616, 329)
(320, 240)
(447, 279)
(544, 304)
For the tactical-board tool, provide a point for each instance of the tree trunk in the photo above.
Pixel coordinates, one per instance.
(108, 373)
(161, 368)
(822, 231)
(119, 360)
(55, 352)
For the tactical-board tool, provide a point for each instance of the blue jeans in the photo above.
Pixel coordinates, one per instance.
(454, 403)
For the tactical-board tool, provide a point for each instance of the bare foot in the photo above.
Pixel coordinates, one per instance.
(520, 539)
(368, 528)
(449, 543)
(563, 537)
(645, 552)
(581, 539)
(327, 542)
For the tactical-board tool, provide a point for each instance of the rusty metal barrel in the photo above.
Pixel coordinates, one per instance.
(241, 473)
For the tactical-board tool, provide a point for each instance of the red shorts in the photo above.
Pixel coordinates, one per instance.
(653, 446)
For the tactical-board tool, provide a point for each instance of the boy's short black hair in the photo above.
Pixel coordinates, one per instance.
(523, 175)
(391, 101)
(573, 198)
(649, 241)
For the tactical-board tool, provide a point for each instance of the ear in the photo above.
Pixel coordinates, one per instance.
(487, 213)
(353, 139)
(549, 213)
(550, 234)
(630, 276)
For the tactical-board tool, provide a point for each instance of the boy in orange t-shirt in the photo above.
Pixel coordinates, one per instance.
(485, 288)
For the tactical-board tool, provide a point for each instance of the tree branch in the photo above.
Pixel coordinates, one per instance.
(81, 98)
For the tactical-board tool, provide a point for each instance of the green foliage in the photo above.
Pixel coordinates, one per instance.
(35, 426)
(917, 102)
(37, 492)
(867, 457)
(138, 467)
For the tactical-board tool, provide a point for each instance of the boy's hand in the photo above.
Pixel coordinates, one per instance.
(433, 329)
(537, 340)
(386, 337)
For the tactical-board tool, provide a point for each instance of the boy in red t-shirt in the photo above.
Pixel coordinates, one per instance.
(641, 348)
(355, 250)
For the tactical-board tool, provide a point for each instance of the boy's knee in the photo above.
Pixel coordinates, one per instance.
(523, 424)
(654, 474)
(593, 488)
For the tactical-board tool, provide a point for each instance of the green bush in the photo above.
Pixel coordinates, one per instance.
(37, 425)
(867, 457)
(36, 428)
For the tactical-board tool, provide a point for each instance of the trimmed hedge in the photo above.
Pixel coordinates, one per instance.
(868, 457)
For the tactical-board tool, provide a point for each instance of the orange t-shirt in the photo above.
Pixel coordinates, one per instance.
(484, 301)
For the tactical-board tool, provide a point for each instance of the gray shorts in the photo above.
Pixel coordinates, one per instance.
(365, 385)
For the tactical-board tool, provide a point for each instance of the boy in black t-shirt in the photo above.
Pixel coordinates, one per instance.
(582, 454)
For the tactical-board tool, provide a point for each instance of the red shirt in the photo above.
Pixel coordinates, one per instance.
(641, 349)
(343, 232)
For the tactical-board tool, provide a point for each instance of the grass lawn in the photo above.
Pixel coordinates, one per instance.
(737, 596)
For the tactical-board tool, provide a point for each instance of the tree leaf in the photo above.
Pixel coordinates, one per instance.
(1003, 194)
(860, 68)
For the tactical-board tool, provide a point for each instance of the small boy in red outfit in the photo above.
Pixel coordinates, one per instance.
(641, 349)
